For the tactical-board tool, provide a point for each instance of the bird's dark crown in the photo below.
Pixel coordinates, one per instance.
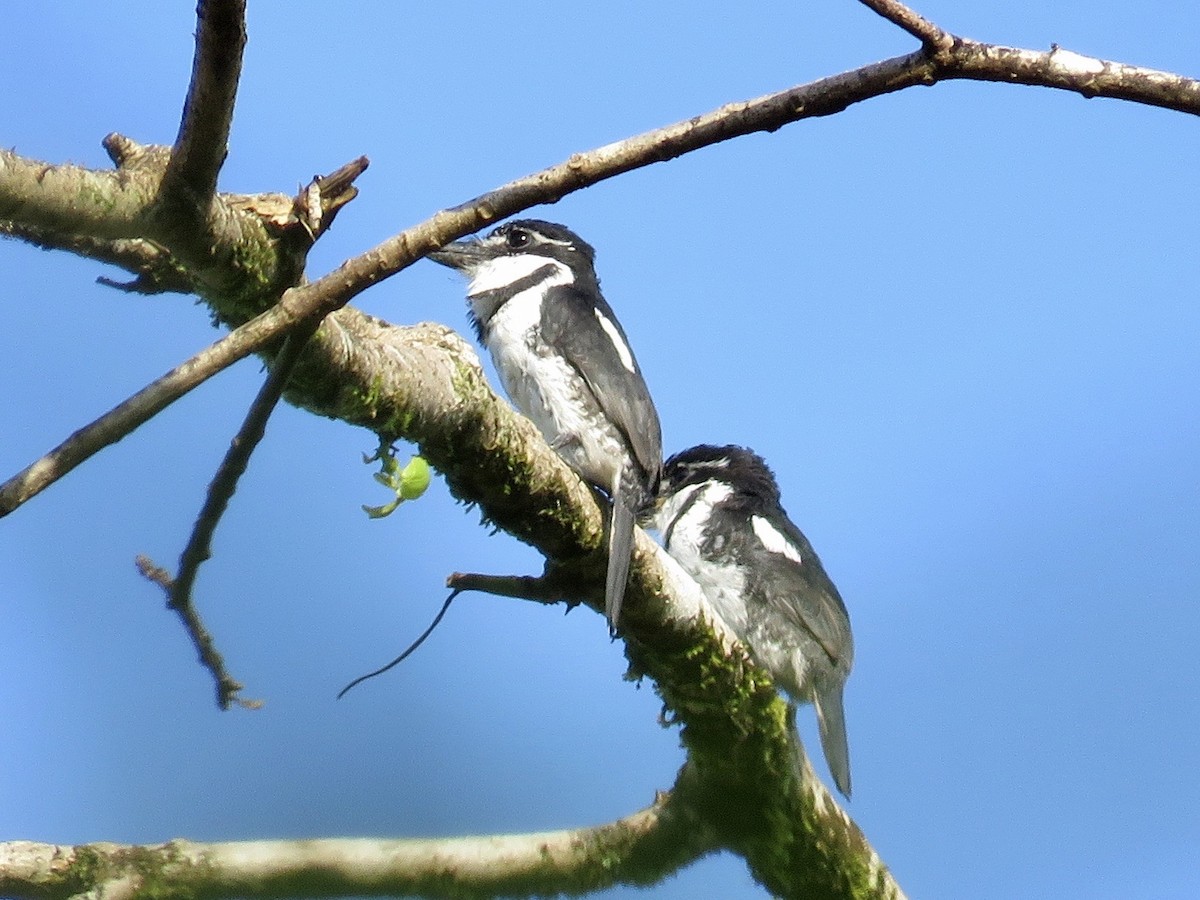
(739, 467)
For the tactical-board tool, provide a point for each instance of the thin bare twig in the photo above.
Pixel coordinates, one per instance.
(233, 466)
(190, 181)
(545, 589)
(826, 96)
(538, 588)
(228, 687)
(911, 21)
(220, 491)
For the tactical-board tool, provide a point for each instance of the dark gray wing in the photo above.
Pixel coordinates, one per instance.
(793, 606)
(801, 592)
(570, 324)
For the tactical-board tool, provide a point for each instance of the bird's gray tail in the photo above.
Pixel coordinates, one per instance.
(831, 722)
(620, 550)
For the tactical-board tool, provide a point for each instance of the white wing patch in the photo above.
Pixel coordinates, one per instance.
(774, 541)
(619, 345)
(505, 270)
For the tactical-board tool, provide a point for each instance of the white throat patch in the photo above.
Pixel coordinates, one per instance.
(505, 270)
(688, 513)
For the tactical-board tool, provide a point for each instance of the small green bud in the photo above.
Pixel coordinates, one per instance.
(408, 483)
(414, 479)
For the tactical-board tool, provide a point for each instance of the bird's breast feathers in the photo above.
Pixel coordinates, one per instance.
(550, 392)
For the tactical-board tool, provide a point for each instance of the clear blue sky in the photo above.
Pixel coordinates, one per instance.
(961, 323)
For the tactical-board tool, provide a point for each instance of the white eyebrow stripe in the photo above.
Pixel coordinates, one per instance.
(774, 541)
(619, 345)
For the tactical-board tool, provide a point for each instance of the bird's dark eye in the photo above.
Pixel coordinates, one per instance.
(517, 239)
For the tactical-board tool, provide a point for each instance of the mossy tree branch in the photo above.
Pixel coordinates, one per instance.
(644, 847)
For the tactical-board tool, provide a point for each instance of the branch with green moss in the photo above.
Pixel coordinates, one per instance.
(747, 787)
(746, 781)
(639, 849)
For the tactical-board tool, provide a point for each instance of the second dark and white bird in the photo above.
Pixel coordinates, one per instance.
(720, 517)
(565, 362)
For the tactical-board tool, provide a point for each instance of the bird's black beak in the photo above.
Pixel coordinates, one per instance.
(462, 255)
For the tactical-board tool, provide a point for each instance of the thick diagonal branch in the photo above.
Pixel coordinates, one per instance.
(1057, 68)
(104, 205)
(425, 384)
(144, 405)
(312, 212)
